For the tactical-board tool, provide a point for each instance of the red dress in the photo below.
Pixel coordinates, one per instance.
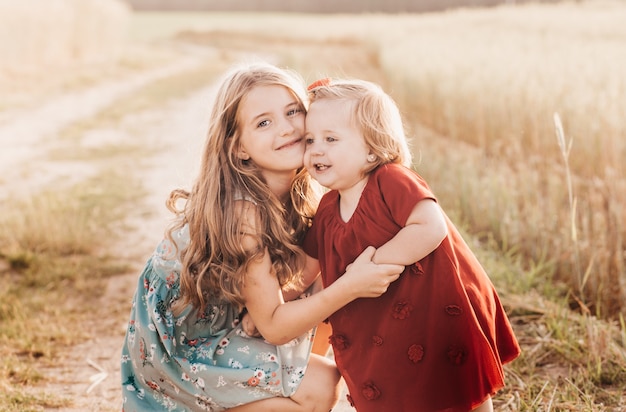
(436, 341)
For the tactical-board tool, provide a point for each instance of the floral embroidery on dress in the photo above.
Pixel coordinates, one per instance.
(339, 342)
(377, 340)
(416, 353)
(171, 280)
(206, 403)
(454, 310)
(295, 375)
(417, 269)
(402, 310)
(144, 355)
(164, 400)
(220, 347)
(370, 391)
(266, 377)
(168, 361)
(130, 384)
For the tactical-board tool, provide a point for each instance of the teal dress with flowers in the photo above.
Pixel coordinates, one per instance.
(198, 361)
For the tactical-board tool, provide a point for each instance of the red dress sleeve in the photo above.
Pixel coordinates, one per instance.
(401, 189)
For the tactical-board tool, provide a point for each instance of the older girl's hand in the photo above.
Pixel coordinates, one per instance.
(366, 279)
(247, 325)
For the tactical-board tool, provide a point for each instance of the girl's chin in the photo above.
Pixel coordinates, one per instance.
(322, 181)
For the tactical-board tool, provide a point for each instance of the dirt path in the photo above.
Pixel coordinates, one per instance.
(29, 134)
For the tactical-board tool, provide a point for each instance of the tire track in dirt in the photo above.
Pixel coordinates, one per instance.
(27, 135)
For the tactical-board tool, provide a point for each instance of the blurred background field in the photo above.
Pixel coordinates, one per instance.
(540, 197)
(60, 32)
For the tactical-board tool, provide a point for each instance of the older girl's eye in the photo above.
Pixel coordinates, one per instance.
(263, 123)
(294, 112)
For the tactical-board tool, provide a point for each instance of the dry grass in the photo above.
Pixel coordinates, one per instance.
(54, 246)
(53, 267)
(46, 46)
(494, 80)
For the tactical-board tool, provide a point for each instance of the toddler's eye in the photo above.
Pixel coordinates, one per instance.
(330, 139)
(308, 140)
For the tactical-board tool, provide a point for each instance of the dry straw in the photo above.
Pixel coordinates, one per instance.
(39, 35)
(566, 148)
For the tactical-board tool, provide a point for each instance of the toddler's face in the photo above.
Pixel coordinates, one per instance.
(335, 153)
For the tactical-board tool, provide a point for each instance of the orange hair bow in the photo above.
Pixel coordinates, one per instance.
(321, 82)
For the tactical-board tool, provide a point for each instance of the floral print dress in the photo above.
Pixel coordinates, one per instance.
(198, 361)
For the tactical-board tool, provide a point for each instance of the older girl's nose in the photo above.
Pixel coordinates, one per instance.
(286, 127)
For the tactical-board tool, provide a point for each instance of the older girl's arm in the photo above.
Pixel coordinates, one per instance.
(310, 276)
(279, 321)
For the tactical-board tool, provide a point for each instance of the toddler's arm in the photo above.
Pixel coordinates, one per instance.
(422, 233)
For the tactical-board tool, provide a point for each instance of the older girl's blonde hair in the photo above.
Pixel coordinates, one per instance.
(214, 263)
(375, 113)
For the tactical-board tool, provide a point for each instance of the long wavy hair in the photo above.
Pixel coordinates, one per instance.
(214, 263)
(375, 113)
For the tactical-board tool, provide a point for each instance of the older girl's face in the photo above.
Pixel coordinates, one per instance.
(271, 122)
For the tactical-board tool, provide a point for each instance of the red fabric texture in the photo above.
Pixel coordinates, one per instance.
(437, 340)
